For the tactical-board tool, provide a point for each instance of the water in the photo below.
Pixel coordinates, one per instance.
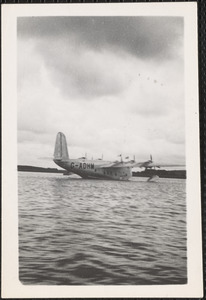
(98, 232)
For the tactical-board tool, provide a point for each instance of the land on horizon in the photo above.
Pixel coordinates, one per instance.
(181, 174)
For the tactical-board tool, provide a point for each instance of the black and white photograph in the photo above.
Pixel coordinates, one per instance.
(105, 131)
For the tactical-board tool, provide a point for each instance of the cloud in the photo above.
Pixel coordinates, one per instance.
(92, 56)
(145, 37)
(87, 73)
(112, 85)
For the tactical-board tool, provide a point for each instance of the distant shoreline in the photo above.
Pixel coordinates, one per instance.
(179, 174)
(38, 169)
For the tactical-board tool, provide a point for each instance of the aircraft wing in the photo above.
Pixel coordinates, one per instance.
(112, 165)
(155, 165)
(148, 165)
(132, 164)
(167, 165)
(120, 165)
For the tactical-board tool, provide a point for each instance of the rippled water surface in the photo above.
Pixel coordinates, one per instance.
(98, 232)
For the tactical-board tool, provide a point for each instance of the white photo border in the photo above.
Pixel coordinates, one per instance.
(11, 286)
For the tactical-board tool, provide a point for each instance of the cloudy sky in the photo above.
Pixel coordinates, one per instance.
(111, 84)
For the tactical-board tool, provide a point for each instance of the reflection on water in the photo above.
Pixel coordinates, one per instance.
(80, 232)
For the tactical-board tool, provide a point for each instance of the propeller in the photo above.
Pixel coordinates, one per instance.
(151, 161)
(148, 164)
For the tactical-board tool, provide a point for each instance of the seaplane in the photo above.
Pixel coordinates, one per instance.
(96, 169)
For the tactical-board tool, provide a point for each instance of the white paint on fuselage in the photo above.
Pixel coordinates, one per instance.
(94, 169)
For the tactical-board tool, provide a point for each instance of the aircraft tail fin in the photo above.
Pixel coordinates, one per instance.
(61, 151)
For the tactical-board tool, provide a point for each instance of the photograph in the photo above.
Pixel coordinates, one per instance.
(107, 198)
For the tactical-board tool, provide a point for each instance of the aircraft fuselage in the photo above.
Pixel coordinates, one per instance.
(94, 169)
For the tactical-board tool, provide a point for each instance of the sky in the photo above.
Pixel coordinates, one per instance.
(112, 85)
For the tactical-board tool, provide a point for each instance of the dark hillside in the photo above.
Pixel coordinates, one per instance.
(39, 169)
(180, 174)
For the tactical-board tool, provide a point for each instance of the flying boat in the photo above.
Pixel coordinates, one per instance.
(96, 169)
